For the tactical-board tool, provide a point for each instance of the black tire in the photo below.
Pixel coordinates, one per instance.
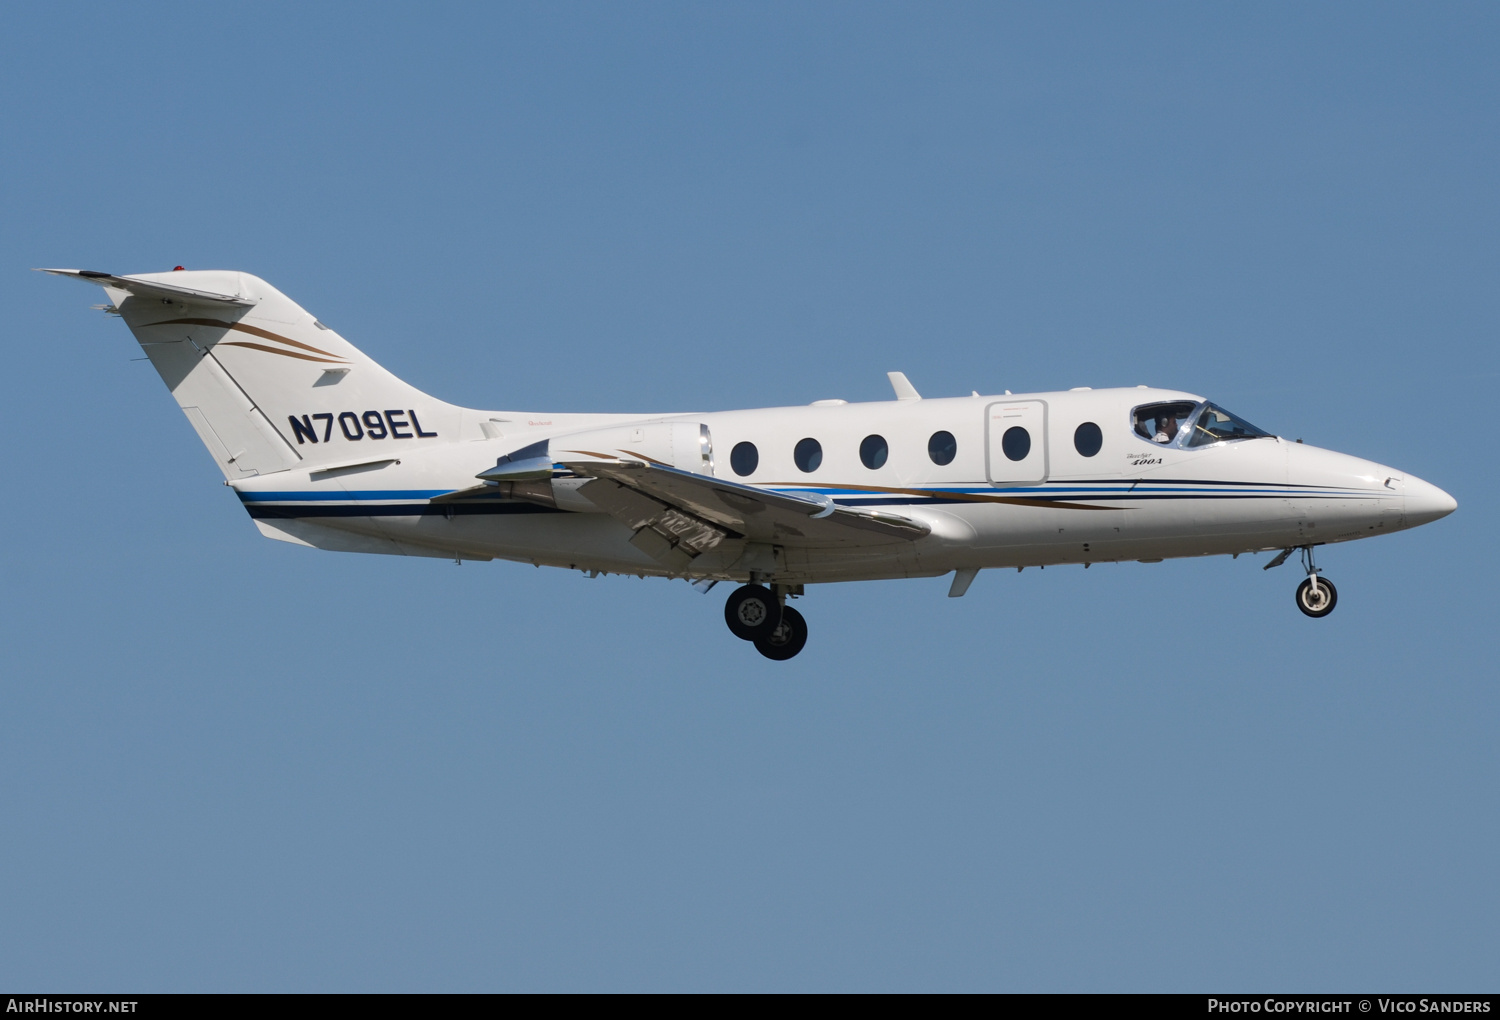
(752, 613)
(787, 639)
(1321, 608)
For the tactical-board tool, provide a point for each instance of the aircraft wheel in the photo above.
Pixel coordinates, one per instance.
(787, 639)
(752, 612)
(1320, 604)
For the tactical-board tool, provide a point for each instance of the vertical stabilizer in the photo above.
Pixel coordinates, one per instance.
(265, 385)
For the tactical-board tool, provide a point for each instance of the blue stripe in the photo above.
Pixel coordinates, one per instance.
(1079, 492)
(398, 510)
(1138, 497)
(326, 497)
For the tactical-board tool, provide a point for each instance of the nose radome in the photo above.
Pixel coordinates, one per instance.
(1426, 503)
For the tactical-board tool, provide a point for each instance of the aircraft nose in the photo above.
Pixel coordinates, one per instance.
(1426, 503)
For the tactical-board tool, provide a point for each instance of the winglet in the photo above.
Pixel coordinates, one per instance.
(903, 387)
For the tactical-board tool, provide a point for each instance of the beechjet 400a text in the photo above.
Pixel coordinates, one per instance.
(325, 448)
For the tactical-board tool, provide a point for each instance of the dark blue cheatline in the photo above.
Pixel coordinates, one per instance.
(808, 454)
(942, 447)
(1016, 443)
(744, 458)
(286, 512)
(873, 452)
(1088, 439)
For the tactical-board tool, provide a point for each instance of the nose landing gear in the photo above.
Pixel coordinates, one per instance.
(1315, 596)
(760, 615)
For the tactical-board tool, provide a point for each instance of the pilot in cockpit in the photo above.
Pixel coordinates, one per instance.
(1166, 428)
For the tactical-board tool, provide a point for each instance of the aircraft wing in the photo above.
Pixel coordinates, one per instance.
(152, 288)
(649, 495)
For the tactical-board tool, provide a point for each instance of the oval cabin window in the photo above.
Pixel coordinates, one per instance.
(1088, 439)
(942, 447)
(1016, 443)
(873, 452)
(744, 458)
(808, 454)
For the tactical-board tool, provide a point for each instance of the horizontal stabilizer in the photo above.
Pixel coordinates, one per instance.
(153, 288)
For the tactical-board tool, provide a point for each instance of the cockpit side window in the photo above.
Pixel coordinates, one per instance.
(1216, 425)
(1161, 423)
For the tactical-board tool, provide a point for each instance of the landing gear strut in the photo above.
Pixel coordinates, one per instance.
(760, 615)
(1315, 596)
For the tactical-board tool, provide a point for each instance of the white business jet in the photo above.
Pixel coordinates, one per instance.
(327, 449)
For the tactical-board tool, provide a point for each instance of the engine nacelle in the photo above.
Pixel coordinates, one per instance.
(685, 445)
(528, 473)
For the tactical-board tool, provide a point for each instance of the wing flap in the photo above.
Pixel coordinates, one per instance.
(742, 510)
(662, 531)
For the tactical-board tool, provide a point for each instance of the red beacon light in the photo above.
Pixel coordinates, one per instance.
(176, 269)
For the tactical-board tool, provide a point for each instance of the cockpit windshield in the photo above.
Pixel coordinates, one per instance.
(1189, 423)
(1161, 423)
(1216, 425)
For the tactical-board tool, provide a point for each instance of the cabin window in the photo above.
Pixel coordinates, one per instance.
(942, 447)
(1088, 439)
(1016, 442)
(1216, 425)
(1161, 423)
(808, 454)
(873, 452)
(744, 458)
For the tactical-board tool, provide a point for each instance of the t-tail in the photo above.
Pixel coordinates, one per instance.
(267, 386)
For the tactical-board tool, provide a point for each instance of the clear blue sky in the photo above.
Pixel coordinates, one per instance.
(229, 763)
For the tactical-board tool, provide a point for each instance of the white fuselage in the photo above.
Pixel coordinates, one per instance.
(1132, 499)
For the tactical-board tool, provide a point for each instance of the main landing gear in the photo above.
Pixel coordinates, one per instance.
(759, 614)
(1315, 596)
